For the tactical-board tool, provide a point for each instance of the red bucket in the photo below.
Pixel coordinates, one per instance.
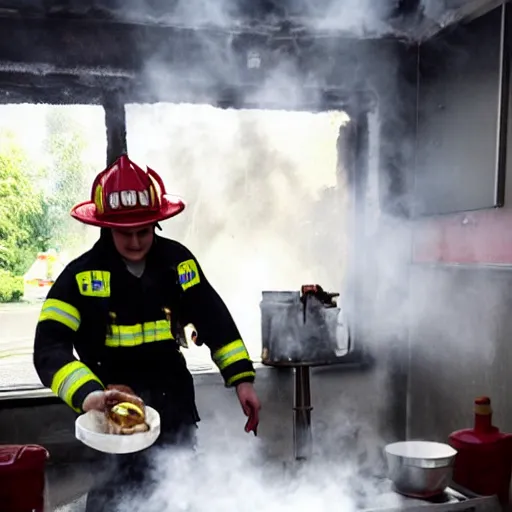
(22, 478)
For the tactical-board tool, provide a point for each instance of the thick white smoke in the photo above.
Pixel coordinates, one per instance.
(236, 474)
(357, 17)
(248, 198)
(261, 188)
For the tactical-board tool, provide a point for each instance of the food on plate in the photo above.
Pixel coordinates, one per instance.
(126, 418)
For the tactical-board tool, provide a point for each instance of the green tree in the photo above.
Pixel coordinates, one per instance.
(23, 231)
(35, 199)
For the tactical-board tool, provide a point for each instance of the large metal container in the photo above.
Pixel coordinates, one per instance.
(297, 331)
(420, 469)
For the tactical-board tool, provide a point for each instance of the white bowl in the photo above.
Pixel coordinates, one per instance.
(91, 427)
(426, 450)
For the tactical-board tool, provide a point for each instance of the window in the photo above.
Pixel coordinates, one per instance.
(48, 158)
(265, 201)
(266, 205)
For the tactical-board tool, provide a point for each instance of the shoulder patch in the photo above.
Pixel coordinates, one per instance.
(94, 283)
(188, 274)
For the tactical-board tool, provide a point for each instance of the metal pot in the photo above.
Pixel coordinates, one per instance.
(420, 469)
(299, 327)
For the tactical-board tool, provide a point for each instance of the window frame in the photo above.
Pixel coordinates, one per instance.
(113, 102)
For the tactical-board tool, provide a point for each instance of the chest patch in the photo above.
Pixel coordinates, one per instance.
(94, 283)
(188, 274)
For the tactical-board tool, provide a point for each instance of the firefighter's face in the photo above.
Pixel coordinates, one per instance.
(133, 243)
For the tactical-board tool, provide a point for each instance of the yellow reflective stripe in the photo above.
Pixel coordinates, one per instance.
(69, 379)
(98, 199)
(94, 283)
(60, 311)
(135, 335)
(157, 331)
(230, 353)
(239, 376)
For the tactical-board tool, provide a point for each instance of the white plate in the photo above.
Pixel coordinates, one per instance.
(90, 428)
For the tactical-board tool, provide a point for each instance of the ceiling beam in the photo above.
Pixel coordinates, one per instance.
(463, 12)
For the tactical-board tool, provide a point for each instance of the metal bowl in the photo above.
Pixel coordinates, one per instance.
(420, 469)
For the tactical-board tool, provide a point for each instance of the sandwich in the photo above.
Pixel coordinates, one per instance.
(126, 418)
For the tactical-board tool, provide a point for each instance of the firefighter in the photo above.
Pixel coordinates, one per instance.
(122, 307)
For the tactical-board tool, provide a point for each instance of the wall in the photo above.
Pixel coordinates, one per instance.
(460, 348)
(461, 273)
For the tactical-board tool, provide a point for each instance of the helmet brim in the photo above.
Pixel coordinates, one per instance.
(86, 213)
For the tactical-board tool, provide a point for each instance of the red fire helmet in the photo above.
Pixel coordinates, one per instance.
(125, 196)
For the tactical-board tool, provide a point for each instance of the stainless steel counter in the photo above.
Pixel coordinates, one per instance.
(459, 500)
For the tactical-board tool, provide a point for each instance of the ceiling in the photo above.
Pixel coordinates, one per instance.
(337, 44)
(436, 15)
(407, 19)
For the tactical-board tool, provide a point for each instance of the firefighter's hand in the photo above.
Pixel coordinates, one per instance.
(102, 400)
(250, 405)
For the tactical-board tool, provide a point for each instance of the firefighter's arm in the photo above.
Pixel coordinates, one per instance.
(215, 326)
(56, 331)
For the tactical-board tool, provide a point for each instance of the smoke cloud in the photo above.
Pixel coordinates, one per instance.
(264, 203)
(357, 17)
(227, 473)
(268, 211)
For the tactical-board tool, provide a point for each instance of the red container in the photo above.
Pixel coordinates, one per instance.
(22, 478)
(484, 460)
